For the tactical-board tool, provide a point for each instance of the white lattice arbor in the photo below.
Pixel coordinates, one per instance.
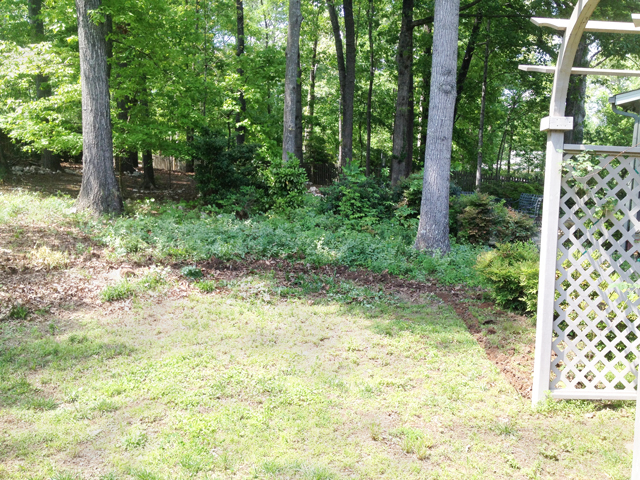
(587, 337)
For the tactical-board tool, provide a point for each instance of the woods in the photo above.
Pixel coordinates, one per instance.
(349, 85)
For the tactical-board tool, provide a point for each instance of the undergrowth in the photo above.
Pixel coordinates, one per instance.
(180, 233)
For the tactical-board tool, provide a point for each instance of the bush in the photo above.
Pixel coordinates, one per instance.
(359, 199)
(511, 190)
(511, 270)
(286, 182)
(480, 218)
(411, 190)
(230, 178)
(241, 181)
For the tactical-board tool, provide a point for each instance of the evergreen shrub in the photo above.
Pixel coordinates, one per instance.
(511, 271)
(242, 181)
(480, 218)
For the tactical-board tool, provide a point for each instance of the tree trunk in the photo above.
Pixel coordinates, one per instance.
(370, 92)
(299, 130)
(99, 191)
(240, 129)
(47, 158)
(311, 97)
(433, 229)
(404, 59)
(346, 76)
(424, 115)
(291, 80)
(577, 94)
(149, 178)
(483, 108)
(350, 83)
(124, 161)
(466, 60)
(408, 161)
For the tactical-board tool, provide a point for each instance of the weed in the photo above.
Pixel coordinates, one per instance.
(134, 439)
(206, 286)
(19, 312)
(375, 431)
(191, 272)
(122, 290)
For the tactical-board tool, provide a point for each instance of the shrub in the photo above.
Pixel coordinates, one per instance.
(474, 218)
(359, 199)
(511, 270)
(411, 190)
(480, 218)
(286, 181)
(511, 190)
(230, 177)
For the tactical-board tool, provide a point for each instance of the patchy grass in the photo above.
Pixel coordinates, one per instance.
(236, 384)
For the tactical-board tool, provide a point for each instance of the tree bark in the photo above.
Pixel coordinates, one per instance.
(577, 94)
(299, 130)
(483, 108)
(99, 191)
(350, 83)
(127, 161)
(408, 161)
(404, 60)
(291, 80)
(466, 60)
(424, 115)
(346, 76)
(47, 158)
(149, 177)
(311, 97)
(240, 129)
(370, 92)
(433, 229)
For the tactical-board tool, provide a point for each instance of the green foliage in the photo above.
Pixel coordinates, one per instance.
(19, 312)
(230, 177)
(474, 218)
(206, 286)
(480, 218)
(125, 288)
(240, 180)
(511, 190)
(301, 234)
(286, 182)
(512, 270)
(119, 291)
(360, 200)
(191, 272)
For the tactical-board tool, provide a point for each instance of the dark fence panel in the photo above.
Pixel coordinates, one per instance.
(467, 180)
(321, 173)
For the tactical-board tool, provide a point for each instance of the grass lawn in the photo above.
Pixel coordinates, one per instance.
(265, 375)
(221, 386)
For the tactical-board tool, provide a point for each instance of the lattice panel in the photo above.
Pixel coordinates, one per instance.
(595, 331)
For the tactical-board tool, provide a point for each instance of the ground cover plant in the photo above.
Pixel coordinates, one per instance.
(181, 342)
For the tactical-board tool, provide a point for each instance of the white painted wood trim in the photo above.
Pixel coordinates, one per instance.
(596, 72)
(548, 254)
(551, 205)
(566, 56)
(577, 395)
(558, 123)
(599, 149)
(635, 17)
(561, 24)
